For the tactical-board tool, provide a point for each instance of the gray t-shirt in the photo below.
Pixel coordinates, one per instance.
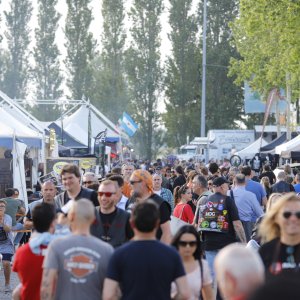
(81, 262)
(6, 243)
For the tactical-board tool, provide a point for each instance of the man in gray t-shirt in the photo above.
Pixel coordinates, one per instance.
(76, 264)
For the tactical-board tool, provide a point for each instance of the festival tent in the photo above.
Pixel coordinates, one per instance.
(252, 149)
(77, 125)
(10, 127)
(68, 140)
(20, 113)
(271, 146)
(285, 149)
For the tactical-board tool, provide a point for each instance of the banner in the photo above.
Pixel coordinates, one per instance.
(99, 149)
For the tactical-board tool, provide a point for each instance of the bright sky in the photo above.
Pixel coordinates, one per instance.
(96, 26)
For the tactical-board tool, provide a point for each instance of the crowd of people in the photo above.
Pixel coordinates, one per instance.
(187, 231)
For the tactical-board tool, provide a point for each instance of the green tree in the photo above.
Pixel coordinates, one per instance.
(80, 48)
(182, 79)
(266, 35)
(144, 70)
(110, 91)
(47, 72)
(224, 100)
(18, 36)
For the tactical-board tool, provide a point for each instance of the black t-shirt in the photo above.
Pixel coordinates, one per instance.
(145, 269)
(282, 187)
(179, 181)
(270, 175)
(107, 220)
(164, 210)
(84, 193)
(280, 258)
(216, 240)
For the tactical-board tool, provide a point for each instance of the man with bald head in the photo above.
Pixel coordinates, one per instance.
(239, 270)
(142, 190)
(75, 266)
(48, 193)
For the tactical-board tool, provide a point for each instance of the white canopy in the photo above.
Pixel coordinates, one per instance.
(10, 126)
(285, 149)
(252, 149)
(77, 126)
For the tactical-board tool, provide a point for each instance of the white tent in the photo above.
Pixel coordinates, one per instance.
(77, 125)
(252, 149)
(285, 149)
(9, 125)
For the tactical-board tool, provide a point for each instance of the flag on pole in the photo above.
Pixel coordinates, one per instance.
(128, 125)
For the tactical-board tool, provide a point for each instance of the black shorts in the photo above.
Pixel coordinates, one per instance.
(7, 256)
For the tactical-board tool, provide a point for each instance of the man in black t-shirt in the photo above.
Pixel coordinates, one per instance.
(70, 177)
(145, 268)
(142, 190)
(112, 223)
(219, 221)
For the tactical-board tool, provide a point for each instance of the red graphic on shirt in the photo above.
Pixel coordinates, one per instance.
(80, 265)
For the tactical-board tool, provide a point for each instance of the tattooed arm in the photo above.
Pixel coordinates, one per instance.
(48, 285)
(239, 230)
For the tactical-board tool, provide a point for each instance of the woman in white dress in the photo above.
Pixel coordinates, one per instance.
(187, 242)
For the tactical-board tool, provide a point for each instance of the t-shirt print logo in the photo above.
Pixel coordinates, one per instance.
(80, 265)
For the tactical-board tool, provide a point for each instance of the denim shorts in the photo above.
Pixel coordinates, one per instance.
(7, 256)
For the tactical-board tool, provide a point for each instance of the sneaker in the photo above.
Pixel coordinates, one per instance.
(7, 289)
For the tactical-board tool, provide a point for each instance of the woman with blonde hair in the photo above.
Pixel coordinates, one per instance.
(265, 182)
(280, 232)
(255, 237)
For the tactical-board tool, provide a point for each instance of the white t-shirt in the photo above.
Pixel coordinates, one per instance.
(194, 281)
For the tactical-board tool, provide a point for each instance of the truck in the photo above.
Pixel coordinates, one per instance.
(218, 144)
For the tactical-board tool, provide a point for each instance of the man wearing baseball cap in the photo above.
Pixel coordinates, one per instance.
(142, 190)
(219, 221)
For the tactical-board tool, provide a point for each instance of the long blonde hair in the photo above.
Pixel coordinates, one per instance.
(269, 229)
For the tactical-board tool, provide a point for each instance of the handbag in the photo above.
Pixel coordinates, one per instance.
(177, 223)
(3, 235)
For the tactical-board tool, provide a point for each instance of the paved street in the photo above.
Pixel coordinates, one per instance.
(14, 281)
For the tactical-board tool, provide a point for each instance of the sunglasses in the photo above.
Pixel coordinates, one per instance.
(87, 182)
(288, 214)
(185, 243)
(107, 194)
(133, 182)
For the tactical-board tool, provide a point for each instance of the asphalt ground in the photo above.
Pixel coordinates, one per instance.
(14, 281)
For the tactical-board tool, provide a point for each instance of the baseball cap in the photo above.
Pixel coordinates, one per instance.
(219, 181)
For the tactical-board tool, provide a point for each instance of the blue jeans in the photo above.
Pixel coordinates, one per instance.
(248, 226)
(210, 257)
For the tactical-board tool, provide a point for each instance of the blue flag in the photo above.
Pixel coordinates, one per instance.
(128, 125)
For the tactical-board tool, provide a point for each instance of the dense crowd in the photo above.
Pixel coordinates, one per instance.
(156, 231)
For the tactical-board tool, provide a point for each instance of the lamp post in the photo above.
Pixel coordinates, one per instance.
(203, 98)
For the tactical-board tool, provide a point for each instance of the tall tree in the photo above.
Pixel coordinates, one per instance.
(18, 37)
(224, 100)
(267, 37)
(47, 72)
(144, 70)
(110, 91)
(80, 48)
(182, 80)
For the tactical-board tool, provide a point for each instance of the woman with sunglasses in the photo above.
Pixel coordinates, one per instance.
(187, 242)
(280, 230)
(183, 211)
